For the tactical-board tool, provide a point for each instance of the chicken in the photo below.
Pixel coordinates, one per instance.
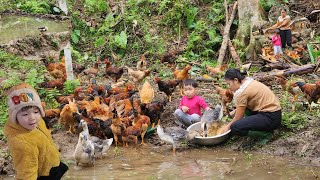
(113, 72)
(209, 117)
(66, 116)
(170, 56)
(216, 70)
(316, 92)
(57, 70)
(117, 128)
(174, 136)
(291, 87)
(182, 75)
(167, 87)
(225, 96)
(77, 68)
(84, 152)
(93, 71)
(51, 116)
(143, 122)
(142, 63)
(308, 90)
(58, 83)
(153, 111)
(137, 76)
(146, 93)
(76, 95)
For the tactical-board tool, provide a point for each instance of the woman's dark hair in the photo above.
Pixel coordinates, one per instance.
(283, 9)
(233, 73)
(190, 82)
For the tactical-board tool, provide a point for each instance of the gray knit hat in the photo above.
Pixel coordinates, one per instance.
(21, 96)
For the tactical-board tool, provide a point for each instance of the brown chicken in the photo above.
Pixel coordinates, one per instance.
(66, 116)
(308, 90)
(58, 83)
(182, 75)
(291, 87)
(225, 96)
(139, 128)
(93, 71)
(316, 92)
(146, 93)
(153, 110)
(142, 63)
(170, 56)
(76, 95)
(112, 71)
(167, 87)
(216, 70)
(117, 128)
(57, 70)
(137, 76)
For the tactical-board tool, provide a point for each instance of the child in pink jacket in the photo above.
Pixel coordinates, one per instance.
(276, 40)
(189, 110)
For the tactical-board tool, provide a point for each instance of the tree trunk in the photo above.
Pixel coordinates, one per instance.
(226, 30)
(251, 16)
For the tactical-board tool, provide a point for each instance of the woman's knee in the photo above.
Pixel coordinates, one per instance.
(238, 129)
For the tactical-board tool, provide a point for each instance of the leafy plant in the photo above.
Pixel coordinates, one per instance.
(121, 40)
(70, 85)
(75, 36)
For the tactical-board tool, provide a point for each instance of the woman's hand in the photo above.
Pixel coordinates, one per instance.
(225, 129)
(184, 109)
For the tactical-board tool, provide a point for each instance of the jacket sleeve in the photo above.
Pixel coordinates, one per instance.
(25, 159)
(181, 103)
(202, 103)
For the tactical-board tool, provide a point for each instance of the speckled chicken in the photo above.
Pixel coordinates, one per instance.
(209, 117)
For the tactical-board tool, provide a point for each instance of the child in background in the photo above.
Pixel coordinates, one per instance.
(34, 154)
(189, 110)
(276, 41)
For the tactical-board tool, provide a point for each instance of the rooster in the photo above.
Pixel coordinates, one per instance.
(153, 110)
(308, 90)
(291, 87)
(167, 87)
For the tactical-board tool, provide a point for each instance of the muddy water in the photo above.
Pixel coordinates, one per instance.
(201, 163)
(13, 27)
(204, 163)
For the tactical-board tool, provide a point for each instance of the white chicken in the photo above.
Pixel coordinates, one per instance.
(84, 152)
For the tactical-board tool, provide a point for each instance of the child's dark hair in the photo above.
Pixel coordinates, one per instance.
(190, 82)
(234, 73)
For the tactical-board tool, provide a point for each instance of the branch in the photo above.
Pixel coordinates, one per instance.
(223, 48)
(234, 54)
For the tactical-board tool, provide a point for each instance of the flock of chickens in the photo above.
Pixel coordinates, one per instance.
(125, 110)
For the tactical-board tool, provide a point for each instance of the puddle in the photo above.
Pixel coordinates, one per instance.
(13, 27)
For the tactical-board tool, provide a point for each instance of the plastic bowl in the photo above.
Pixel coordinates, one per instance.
(207, 141)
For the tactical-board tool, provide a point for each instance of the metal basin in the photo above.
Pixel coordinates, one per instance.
(207, 141)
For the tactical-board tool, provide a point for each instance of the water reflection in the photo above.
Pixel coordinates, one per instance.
(204, 163)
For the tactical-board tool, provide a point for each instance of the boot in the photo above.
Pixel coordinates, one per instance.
(263, 137)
